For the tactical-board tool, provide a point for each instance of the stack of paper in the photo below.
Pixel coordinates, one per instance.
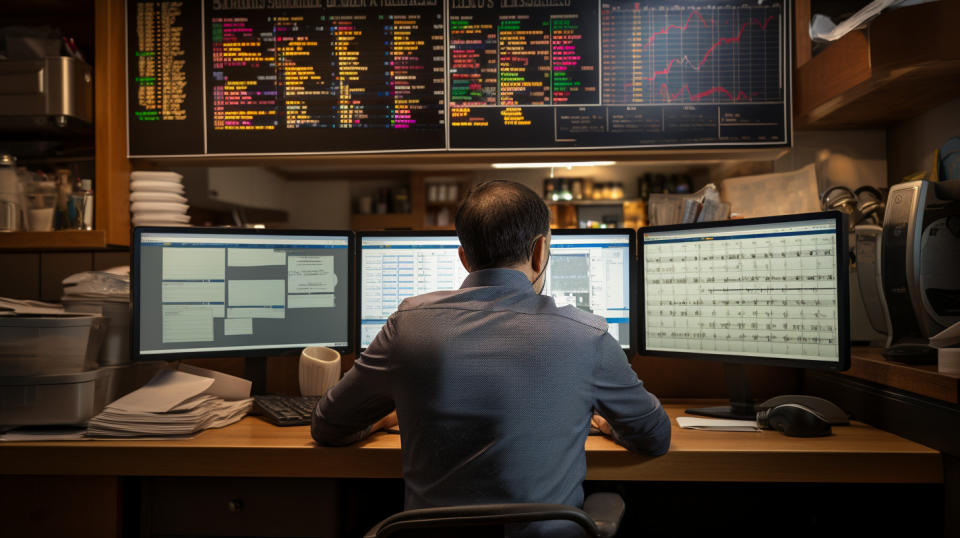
(718, 424)
(175, 402)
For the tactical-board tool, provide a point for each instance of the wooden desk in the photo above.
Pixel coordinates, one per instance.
(254, 448)
(193, 486)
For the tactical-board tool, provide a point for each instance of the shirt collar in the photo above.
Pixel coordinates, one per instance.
(510, 278)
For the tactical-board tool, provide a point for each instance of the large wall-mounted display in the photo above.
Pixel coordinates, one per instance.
(255, 77)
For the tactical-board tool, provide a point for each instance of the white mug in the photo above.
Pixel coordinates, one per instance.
(319, 370)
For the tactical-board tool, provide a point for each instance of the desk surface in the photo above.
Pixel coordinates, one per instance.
(252, 447)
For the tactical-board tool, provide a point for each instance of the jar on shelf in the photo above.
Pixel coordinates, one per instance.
(576, 188)
(548, 189)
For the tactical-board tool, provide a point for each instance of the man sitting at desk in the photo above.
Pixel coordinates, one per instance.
(494, 386)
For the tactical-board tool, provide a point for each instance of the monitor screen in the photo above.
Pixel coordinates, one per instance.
(771, 290)
(591, 270)
(257, 77)
(588, 269)
(231, 292)
(394, 266)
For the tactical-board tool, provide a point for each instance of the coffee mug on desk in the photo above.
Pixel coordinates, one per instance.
(319, 370)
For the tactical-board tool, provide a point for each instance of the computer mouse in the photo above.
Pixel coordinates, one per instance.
(825, 408)
(794, 420)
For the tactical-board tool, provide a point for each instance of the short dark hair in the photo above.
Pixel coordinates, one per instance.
(497, 223)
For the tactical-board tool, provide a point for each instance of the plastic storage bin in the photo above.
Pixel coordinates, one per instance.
(31, 346)
(116, 343)
(62, 399)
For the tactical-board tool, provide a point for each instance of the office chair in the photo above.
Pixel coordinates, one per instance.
(600, 517)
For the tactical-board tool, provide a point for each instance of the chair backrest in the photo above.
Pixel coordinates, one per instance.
(477, 520)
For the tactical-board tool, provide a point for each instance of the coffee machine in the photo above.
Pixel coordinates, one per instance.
(920, 266)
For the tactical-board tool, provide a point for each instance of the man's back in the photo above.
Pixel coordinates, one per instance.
(494, 387)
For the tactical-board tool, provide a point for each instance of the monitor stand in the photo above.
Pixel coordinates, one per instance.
(255, 369)
(741, 402)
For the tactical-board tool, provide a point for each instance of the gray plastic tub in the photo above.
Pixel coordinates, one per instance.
(47, 345)
(116, 343)
(62, 399)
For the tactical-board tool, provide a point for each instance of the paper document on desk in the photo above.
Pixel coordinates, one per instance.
(175, 403)
(717, 424)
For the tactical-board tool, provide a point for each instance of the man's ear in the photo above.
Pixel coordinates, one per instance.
(538, 259)
(463, 259)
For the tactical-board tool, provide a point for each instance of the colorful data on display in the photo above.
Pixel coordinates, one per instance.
(259, 77)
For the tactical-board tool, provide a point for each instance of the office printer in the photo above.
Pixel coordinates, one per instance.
(920, 258)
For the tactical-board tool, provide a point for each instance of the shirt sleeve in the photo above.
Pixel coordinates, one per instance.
(638, 420)
(346, 412)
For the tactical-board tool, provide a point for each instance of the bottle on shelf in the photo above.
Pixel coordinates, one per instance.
(576, 188)
(66, 217)
(85, 210)
(12, 201)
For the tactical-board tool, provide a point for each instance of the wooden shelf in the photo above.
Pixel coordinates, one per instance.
(387, 221)
(868, 364)
(907, 61)
(63, 239)
(589, 202)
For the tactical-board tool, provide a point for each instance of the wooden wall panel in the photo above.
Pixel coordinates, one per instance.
(20, 275)
(110, 117)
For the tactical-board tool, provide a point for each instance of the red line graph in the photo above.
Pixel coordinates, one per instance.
(695, 97)
(664, 31)
(721, 41)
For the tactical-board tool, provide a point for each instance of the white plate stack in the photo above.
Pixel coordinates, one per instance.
(156, 199)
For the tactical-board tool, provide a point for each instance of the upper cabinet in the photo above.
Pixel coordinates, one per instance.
(905, 62)
(111, 168)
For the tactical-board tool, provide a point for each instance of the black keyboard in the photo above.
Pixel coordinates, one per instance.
(285, 410)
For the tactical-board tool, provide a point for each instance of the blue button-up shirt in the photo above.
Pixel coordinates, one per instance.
(494, 387)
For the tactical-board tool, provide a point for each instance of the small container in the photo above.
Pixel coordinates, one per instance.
(41, 205)
(48, 345)
(617, 191)
(58, 399)
(11, 196)
(576, 188)
(365, 205)
(116, 343)
(85, 207)
(607, 192)
(588, 189)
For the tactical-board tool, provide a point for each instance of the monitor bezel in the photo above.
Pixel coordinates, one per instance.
(631, 234)
(358, 297)
(632, 275)
(135, 275)
(843, 292)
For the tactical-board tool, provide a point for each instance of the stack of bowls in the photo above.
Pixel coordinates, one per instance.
(156, 199)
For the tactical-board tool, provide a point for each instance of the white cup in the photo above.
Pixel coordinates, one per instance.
(319, 370)
(40, 220)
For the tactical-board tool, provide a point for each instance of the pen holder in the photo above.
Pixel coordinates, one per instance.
(319, 370)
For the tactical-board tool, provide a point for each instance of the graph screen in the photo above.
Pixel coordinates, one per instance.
(225, 77)
(746, 289)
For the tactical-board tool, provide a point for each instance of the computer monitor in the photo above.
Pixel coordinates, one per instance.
(212, 292)
(589, 269)
(592, 270)
(397, 265)
(770, 290)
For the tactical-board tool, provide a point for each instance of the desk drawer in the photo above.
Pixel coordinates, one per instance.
(269, 507)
